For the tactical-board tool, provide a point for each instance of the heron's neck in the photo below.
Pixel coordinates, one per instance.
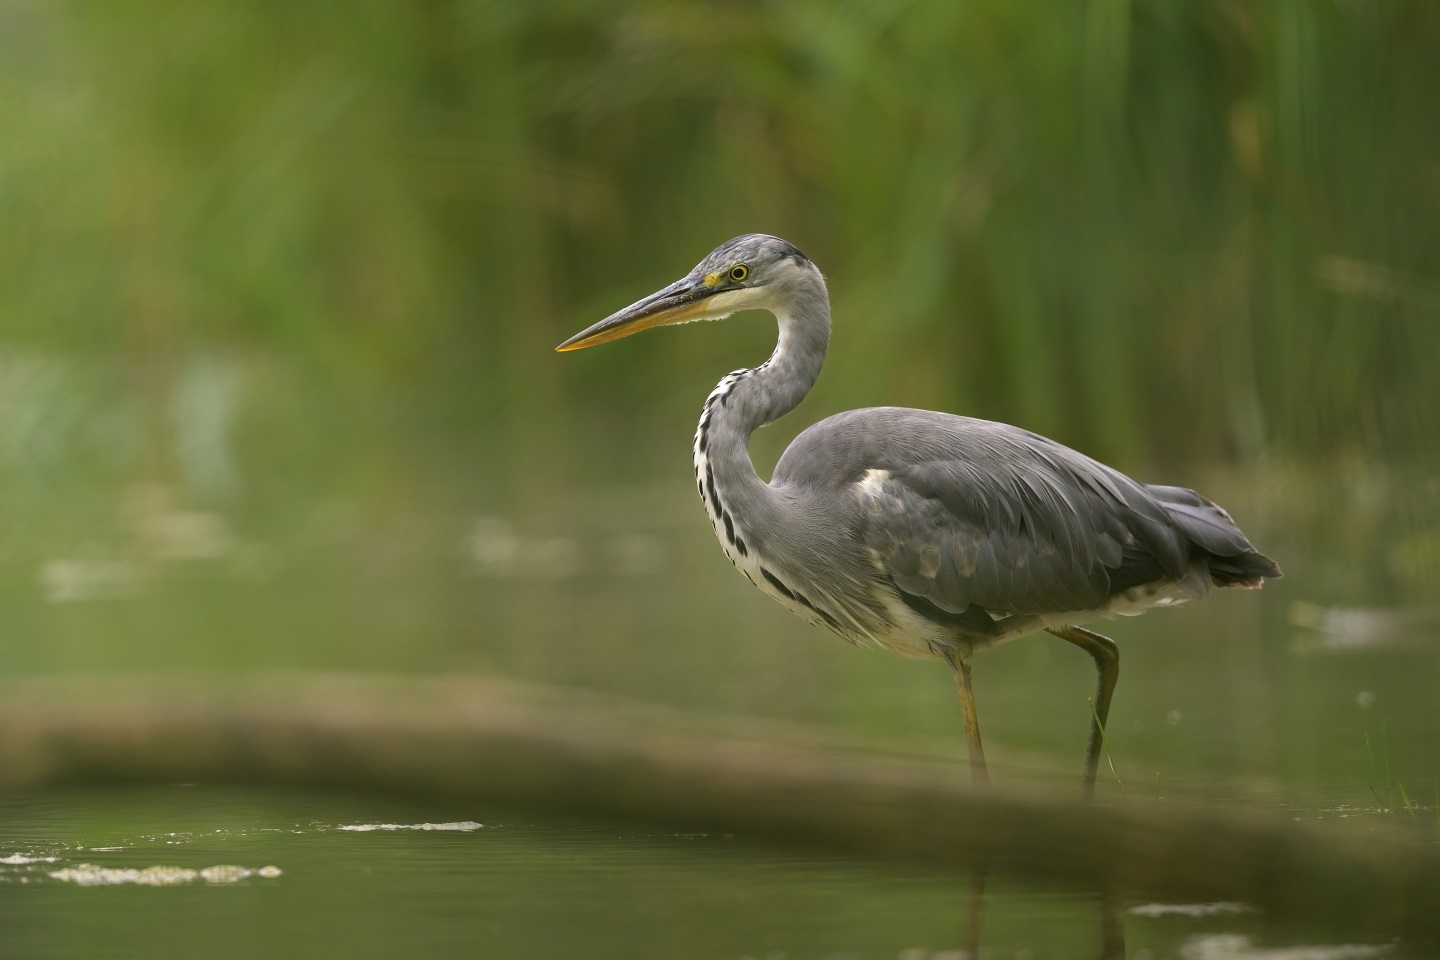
(741, 403)
(749, 399)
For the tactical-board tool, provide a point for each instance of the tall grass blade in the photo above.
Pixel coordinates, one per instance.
(1409, 807)
(1105, 746)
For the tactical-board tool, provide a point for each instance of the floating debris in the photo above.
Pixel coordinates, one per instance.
(1344, 629)
(165, 530)
(71, 580)
(460, 825)
(160, 534)
(1218, 908)
(636, 555)
(494, 549)
(1234, 946)
(94, 875)
(229, 873)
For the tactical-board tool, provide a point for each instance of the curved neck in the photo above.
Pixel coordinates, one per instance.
(766, 393)
(745, 511)
(749, 399)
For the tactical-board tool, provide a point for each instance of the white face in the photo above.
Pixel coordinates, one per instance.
(722, 305)
(778, 277)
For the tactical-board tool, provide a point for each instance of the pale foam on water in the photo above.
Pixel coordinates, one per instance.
(459, 825)
(16, 859)
(93, 875)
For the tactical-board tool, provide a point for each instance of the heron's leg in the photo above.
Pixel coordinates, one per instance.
(1107, 666)
(960, 666)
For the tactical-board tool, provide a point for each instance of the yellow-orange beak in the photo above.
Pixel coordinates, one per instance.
(682, 301)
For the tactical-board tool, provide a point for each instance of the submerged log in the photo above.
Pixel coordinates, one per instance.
(578, 753)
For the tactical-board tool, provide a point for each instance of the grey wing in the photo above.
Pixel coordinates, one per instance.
(957, 536)
(973, 520)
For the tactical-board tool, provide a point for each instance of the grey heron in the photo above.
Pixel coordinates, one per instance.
(929, 534)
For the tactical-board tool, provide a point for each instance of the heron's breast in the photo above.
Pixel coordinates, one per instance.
(748, 549)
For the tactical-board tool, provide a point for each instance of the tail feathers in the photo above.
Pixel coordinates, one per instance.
(1249, 570)
(1233, 560)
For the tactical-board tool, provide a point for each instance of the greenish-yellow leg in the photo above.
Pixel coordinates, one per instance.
(961, 668)
(1107, 666)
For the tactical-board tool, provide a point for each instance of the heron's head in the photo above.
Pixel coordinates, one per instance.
(753, 272)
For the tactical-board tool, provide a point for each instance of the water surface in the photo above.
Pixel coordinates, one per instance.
(491, 883)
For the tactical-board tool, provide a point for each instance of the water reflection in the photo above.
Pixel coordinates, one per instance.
(1109, 926)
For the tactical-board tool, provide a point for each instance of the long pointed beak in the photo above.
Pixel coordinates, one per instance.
(682, 301)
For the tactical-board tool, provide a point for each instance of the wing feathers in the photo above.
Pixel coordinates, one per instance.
(965, 514)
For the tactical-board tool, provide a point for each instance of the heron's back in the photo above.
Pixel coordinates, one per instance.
(976, 522)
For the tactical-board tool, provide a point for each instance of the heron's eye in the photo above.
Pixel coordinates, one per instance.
(739, 272)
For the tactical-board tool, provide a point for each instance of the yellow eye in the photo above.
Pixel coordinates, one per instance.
(739, 272)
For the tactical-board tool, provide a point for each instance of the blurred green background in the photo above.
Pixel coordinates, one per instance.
(279, 285)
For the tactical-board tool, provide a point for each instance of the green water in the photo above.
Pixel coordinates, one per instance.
(390, 548)
(622, 589)
(1221, 702)
(510, 887)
